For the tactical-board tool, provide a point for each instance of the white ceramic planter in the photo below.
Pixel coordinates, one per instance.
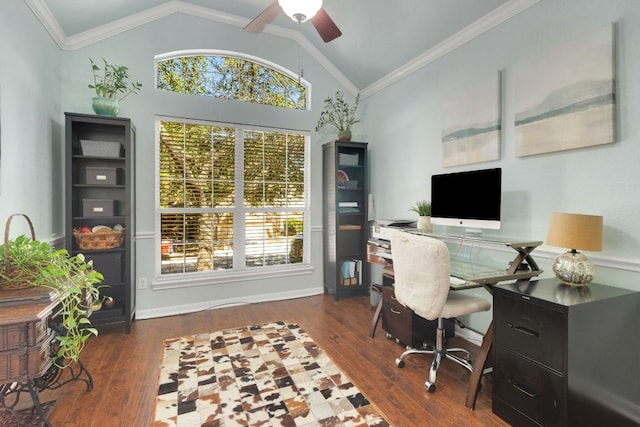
(424, 223)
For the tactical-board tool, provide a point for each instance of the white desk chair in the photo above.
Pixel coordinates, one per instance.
(422, 269)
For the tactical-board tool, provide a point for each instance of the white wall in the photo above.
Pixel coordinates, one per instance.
(30, 134)
(405, 140)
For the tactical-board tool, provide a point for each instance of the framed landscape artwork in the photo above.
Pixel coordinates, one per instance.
(471, 123)
(565, 99)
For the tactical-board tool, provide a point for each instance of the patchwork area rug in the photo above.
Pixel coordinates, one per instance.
(272, 374)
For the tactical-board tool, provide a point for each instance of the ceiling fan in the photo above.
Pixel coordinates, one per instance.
(300, 11)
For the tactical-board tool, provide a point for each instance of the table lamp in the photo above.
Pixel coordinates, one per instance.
(575, 231)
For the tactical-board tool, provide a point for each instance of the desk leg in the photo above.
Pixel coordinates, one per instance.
(376, 319)
(478, 368)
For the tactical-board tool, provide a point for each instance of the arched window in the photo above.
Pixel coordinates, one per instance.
(229, 75)
(232, 198)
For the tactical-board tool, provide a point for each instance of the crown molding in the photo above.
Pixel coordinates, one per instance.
(49, 22)
(102, 32)
(94, 35)
(477, 28)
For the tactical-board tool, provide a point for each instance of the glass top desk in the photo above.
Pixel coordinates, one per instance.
(476, 272)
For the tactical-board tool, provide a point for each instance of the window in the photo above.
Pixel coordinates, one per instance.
(227, 75)
(231, 197)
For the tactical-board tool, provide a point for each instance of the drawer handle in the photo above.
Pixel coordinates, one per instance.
(525, 331)
(524, 390)
(394, 311)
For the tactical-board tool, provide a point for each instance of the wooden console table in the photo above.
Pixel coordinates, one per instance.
(476, 274)
(27, 336)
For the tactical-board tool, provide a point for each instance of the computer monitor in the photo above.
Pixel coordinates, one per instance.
(468, 199)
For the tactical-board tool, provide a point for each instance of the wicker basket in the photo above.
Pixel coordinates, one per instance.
(14, 278)
(103, 239)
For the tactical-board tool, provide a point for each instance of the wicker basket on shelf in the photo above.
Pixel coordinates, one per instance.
(101, 239)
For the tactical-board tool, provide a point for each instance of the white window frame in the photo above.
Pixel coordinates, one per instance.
(238, 273)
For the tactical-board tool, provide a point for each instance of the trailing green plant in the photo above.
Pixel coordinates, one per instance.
(72, 281)
(422, 208)
(112, 80)
(338, 112)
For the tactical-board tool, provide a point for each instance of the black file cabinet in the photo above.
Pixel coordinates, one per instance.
(566, 356)
(405, 327)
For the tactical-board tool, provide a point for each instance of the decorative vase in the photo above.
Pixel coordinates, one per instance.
(344, 135)
(105, 106)
(424, 223)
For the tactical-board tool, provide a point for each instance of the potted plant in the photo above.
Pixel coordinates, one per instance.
(339, 113)
(112, 84)
(27, 262)
(423, 209)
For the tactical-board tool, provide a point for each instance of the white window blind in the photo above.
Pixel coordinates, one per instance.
(231, 197)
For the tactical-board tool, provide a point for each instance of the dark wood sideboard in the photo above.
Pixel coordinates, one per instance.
(28, 327)
(24, 336)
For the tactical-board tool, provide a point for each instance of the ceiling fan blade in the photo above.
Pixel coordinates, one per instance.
(265, 18)
(327, 29)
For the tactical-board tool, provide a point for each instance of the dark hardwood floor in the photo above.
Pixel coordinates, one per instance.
(125, 366)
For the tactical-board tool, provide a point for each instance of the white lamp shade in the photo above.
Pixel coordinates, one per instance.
(300, 10)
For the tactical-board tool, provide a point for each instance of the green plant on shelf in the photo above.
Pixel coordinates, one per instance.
(112, 80)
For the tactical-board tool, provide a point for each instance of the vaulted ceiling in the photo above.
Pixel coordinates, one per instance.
(381, 40)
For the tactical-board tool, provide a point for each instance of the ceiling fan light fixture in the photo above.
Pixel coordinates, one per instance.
(300, 10)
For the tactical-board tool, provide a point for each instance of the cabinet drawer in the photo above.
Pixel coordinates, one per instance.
(408, 328)
(396, 318)
(23, 334)
(535, 391)
(531, 330)
(26, 362)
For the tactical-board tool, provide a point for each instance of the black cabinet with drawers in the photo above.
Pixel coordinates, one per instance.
(406, 327)
(566, 356)
(100, 204)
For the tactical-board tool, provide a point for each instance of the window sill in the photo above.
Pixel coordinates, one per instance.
(172, 281)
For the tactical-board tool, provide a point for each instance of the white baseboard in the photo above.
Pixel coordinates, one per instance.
(229, 302)
(469, 335)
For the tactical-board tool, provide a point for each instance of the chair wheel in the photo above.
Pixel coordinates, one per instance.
(399, 363)
(388, 336)
(430, 387)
